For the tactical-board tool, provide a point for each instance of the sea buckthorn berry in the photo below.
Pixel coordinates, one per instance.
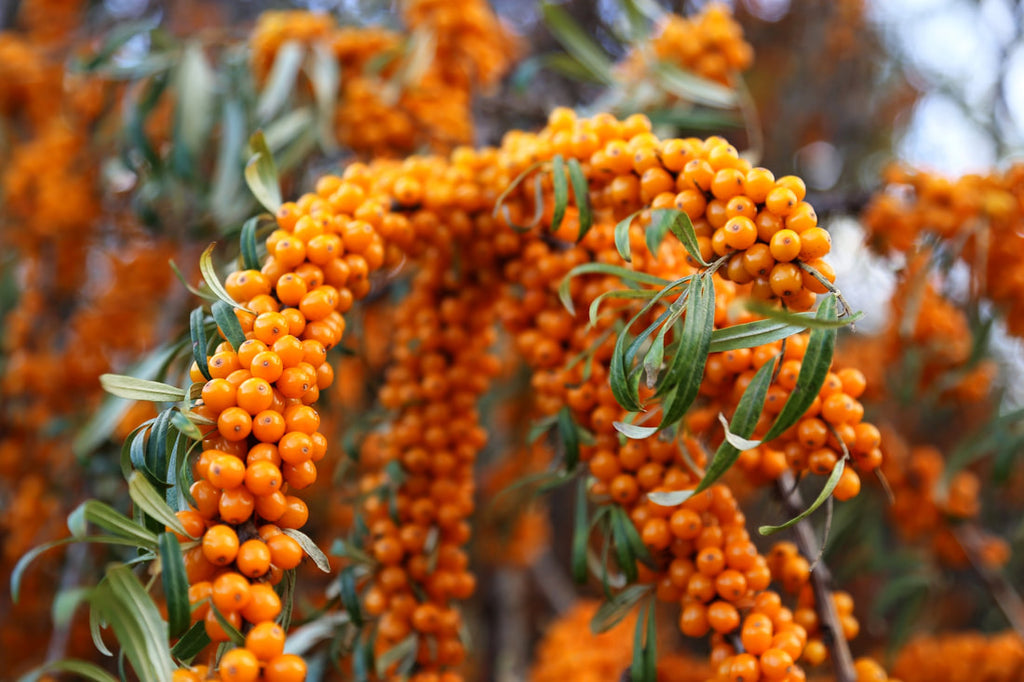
(253, 558)
(239, 665)
(781, 200)
(193, 523)
(220, 545)
(264, 604)
(785, 279)
(184, 675)
(757, 183)
(815, 243)
(290, 289)
(776, 664)
(785, 245)
(226, 471)
(758, 260)
(802, 218)
(710, 561)
(294, 382)
(268, 426)
(723, 617)
(848, 486)
(693, 621)
(236, 505)
(296, 513)
(269, 327)
(267, 365)
(794, 184)
(824, 269)
(207, 497)
(727, 183)
(234, 424)
(302, 418)
(285, 668)
(222, 364)
(285, 552)
(218, 394)
(730, 584)
(744, 668)
(265, 640)
(271, 506)
(230, 592)
(301, 475)
(263, 478)
(295, 447)
(254, 395)
(740, 233)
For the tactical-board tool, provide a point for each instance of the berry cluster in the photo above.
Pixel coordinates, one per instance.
(267, 439)
(389, 105)
(709, 44)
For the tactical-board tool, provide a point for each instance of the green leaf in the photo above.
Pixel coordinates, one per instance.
(280, 82)
(349, 597)
(228, 202)
(581, 534)
(654, 357)
(569, 434)
(736, 440)
(403, 653)
(814, 368)
(247, 242)
(651, 645)
(197, 332)
(670, 498)
(109, 519)
(172, 570)
(693, 88)
(561, 191)
(634, 294)
(66, 602)
(622, 244)
(26, 559)
(568, 66)
(807, 320)
(611, 612)
(577, 43)
(234, 634)
(348, 550)
(286, 590)
(627, 531)
(624, 382)
(186, 426)
(581, 192)
(751, 334)
(830, 485)
(146, 498)
(310, 548)
(678, 223)
(744, 421)
(116, 39)
(129, 611)
(685, 372)
(228, 323)
(82, 670)
(633, 431)
(140, 389)
(261, 174)
(294, 128)
(325, 77)
(192, 642)
(637, 669)
(196, 90)
(211, 279)
(622, 273)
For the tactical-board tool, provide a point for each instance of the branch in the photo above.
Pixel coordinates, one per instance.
(1009, 602)
(828, 617)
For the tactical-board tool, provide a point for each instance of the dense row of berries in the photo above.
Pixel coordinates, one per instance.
(708, 563)
(387, 104)
(709, 44)
(267, 439)
(979, 219)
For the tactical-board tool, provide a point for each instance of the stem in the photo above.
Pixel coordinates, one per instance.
(1003, 593)
(512, 635)
(552, 581)
(828, 617)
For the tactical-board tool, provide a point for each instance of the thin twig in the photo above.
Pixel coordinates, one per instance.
(513, 638)
(1003, 593)
(828, 617)
(552, 581)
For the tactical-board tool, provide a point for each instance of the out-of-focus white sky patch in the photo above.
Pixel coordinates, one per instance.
(942, 139)
(867, 281)
(952, 49)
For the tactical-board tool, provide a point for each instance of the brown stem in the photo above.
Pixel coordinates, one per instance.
(828, 617)
(1005, 596)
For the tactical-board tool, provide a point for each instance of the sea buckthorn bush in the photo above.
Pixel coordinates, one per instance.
(414, 371)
